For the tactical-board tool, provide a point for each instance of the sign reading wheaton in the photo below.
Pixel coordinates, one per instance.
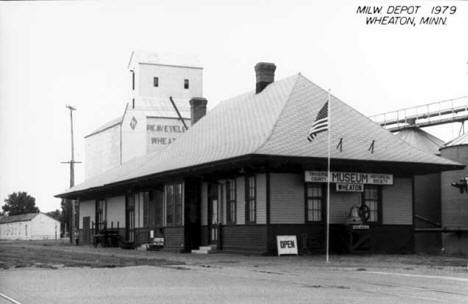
(349, 178)
(349, 187)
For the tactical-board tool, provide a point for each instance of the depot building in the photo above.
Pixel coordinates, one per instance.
(245, 173)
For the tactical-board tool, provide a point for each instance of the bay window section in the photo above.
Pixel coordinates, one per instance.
(250, 200)
(372, 199)
(101, 208)
(231, 201)
(314, 202)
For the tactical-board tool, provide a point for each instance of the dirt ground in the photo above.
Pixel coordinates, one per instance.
(56, 254)
(53, 255)
(57, 272)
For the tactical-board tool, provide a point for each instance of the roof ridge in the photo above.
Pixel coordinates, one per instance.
(279, 115)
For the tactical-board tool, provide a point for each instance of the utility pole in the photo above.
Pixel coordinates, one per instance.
(72, 163)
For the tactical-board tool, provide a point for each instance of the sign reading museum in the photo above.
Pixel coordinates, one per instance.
(349, 178)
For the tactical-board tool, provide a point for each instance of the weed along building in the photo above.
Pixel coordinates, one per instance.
(246, 172)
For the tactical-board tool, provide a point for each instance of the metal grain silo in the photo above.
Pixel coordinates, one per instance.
(427, 193)
(454, 202)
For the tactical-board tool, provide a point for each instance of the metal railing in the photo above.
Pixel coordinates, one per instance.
(431, 114)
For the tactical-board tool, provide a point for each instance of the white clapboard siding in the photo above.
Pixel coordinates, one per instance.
(87, 208)
(116, 211)
(397, 203)
(287, 198)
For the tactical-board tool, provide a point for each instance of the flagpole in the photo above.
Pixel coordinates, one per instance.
(328, 181)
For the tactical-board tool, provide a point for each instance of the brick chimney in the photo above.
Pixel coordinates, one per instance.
(265, 73)
(197, 108)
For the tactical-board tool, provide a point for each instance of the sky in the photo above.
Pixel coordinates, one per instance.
(54, 53)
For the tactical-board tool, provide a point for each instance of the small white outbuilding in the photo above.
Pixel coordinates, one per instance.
(29, 226)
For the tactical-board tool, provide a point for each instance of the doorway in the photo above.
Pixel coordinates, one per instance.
(86, 230)
(213, 213)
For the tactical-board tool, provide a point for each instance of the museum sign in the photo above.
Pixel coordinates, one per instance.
(349, 178)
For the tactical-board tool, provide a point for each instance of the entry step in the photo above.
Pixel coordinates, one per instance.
(204, 249)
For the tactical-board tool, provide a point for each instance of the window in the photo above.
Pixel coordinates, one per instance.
(170, 204)
(250, 199)
(314, 202)
(186, 83)
(371, 198)
(100, 214)
(174, 204)
(231, 201)
(156, 81)
(178, 204)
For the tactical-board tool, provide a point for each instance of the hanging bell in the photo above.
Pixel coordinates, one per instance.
(353, 217)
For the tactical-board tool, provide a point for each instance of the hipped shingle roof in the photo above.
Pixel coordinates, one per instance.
(273, 122)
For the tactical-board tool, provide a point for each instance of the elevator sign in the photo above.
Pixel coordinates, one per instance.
(349, 178)
(161, 132)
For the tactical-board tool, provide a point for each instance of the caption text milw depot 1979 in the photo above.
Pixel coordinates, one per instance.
(407, 15)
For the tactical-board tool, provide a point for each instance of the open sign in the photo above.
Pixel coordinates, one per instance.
(287, 244)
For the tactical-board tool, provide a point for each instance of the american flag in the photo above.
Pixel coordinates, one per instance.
(320, 123)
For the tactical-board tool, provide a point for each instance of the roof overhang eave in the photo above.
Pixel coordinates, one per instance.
(197, 169)
(413, 168)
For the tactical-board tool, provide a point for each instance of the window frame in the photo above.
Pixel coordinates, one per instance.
(378, 200)
(169, 201)
(100, 216)
(178, 205)
(231, 202)
(250, 199)
(322, 198)
(174, 204)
